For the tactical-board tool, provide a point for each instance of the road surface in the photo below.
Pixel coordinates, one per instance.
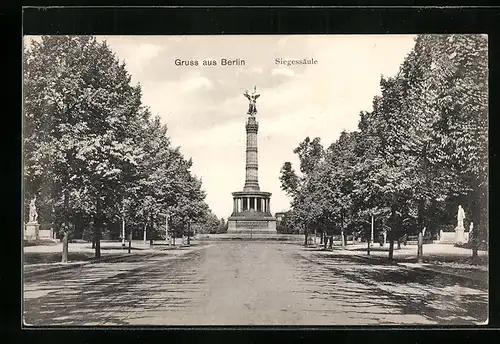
(249, 283)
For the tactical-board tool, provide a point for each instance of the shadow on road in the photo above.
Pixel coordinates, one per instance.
(106, 298)
(440, 297)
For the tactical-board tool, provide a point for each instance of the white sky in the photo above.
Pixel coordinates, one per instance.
(205, 109)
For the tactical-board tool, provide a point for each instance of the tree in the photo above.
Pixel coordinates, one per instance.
(422, 148)
(92, 151)
(305, 216)
(289, 180)
(222, 226)
(78, 101)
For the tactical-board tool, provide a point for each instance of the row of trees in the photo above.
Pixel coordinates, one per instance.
(415, 157)
(93, 153)
(212, 225)
(287, 225)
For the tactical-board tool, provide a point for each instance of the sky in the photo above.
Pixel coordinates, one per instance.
(205, 110)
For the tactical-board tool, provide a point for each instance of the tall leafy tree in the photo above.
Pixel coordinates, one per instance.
(92, 151)
(422, 148)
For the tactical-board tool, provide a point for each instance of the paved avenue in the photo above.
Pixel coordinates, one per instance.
(248, 283)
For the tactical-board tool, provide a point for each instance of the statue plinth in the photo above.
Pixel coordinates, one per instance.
(31, 230)
(460, 235)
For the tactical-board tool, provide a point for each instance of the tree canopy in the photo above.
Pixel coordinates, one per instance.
(93, 152)
(420, 152)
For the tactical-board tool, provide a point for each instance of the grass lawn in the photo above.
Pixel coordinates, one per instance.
(55, 257)
(449, 260)
(27, 243)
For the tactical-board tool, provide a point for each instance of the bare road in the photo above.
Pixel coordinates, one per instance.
(249, 283)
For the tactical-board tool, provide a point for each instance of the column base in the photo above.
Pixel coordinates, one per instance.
(255, 226)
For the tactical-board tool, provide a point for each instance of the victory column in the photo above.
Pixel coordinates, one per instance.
(251, 207)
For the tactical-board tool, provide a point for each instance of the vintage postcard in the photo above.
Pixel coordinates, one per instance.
(255, 180)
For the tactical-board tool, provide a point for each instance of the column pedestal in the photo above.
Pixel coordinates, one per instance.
(254, 217)
(31, 231)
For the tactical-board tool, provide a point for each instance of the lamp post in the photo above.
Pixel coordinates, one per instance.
(167, 239)
(130, 241)
(123, 224)
(371, 235)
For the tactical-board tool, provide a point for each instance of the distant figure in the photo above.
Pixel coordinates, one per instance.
(33, 215)
(460, 217)
(471, 232)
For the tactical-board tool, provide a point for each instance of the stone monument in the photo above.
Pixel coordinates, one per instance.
(251, 207)
(31, 230)
(459, 230)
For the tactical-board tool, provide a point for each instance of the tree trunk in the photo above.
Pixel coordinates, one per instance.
(479, 220)
(98, 249)
(145, 235)
(420, 249)
(343, 240)
(368, 245)
(97, 229)
(151, 230)
(421, 225)
(64, 258)
(130, 241)
(399, 243)
(391, 249)
(322, 238)
(305, 238)
(474, 250)
(315, 237)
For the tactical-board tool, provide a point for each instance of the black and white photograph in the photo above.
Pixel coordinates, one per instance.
(218, 180)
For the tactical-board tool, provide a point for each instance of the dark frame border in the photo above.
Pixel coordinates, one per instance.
(367, 20)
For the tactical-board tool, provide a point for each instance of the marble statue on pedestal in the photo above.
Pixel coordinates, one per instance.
(33, 215)
(460, 217)
(32, 227)
(459, 230)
